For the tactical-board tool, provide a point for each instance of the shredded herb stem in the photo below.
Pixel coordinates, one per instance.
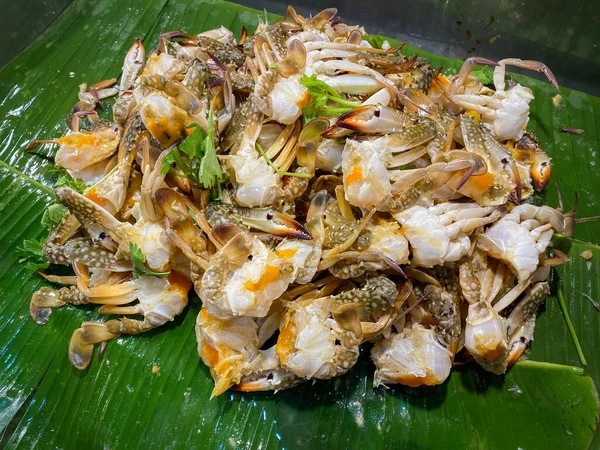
(563, 307)
(277, 169)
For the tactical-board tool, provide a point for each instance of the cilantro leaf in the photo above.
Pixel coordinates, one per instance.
(375, 40)
(53, 215)
(196, 158)
(484, 74)
(210, 170)
(139, 268)
(318, 88)
(32, 254)
(321, 94)
(66, 180)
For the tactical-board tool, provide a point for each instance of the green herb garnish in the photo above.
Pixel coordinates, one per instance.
(375, 40)
(322, 93)
(139, 267)
(196, 158)
(484, 74)
(66, 180)
(53, 215)
(563, 307)
(32, 254)
(277, 169)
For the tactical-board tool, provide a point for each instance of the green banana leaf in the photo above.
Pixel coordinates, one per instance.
(152, 391)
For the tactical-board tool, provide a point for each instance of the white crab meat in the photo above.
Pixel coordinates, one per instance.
(152, 239)
(161, 299)
(91, 174)
(389, 241)
(236, 335)
(366, 179)
(257, 182)
(166, 65)
(485, 337)
(288, 97)
(164, 120)
(253, 287)
(440, 233)
(79, 150)
(512, 118)
(220, 34)
(520, 238)
(313, 342)
(413, 358)
(505, 112)
(329, 155)
(304, 257)
(229, 347)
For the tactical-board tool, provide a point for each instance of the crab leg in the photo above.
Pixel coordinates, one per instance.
(44, 300)
(82, 343)
(499, 72)
(521, 321)
(465, 70)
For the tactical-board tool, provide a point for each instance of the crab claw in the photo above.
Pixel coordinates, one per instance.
(95, 218)
(474, 165)
(278, 224)
(516, 194)
(520, 325)
(132, 66)
(409, 64)
(419, 275)
(44, 300)
(263, 219)
(224, 233)
(355, 37)
(171, 204)
(164, 120)
(335, 132)
(541, 170)
(179, 225)
(176, 215)
(527, 149)
(373, 119)
(268, 375)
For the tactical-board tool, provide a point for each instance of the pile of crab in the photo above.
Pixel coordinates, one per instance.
(317, 193)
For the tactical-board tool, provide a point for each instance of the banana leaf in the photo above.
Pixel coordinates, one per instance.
(152, 391)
